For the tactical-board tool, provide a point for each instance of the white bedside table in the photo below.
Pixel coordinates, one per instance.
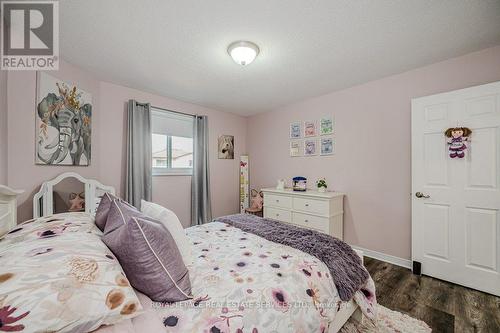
(8, 208)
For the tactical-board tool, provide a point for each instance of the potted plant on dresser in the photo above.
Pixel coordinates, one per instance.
(321, 185)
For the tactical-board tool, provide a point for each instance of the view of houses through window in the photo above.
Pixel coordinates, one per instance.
(172, 151)
(172, 144)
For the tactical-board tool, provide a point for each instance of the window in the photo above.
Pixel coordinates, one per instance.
(172, 143)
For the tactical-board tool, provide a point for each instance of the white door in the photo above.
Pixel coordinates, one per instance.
(456, 229)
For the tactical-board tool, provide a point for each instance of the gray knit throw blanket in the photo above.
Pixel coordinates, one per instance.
(347, 271)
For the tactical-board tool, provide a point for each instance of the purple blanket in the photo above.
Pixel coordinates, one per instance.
(347, 271)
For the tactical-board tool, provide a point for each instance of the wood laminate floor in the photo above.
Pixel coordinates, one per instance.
(444, 306)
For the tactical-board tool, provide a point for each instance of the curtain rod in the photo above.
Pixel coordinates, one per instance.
(185, 114)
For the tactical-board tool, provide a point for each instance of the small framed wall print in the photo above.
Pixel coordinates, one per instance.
(226, 147)
(295, 130)
(310, 129)
(326, 126)
(327, 146)
(295, 148)
(310, 147)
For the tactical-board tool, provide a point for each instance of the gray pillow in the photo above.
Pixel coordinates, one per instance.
(101, 214)
(149, 257)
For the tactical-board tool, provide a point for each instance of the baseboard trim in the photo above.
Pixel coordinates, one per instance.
(384, 257)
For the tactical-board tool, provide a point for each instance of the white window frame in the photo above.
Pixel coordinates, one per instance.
(169, 171)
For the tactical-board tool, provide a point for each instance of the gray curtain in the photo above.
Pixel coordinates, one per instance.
(138, 183)
(201, 209)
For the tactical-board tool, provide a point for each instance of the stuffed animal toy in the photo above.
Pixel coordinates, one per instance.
(256, 203)
(77, 202)
(458, 136)
(256, 200)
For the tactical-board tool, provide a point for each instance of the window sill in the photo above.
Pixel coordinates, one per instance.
(180, 172)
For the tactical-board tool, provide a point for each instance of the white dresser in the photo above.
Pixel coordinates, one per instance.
(311, 209)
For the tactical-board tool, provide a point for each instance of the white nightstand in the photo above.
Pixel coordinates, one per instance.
(8, 208)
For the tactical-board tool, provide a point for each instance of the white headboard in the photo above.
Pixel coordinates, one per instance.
(43, 200)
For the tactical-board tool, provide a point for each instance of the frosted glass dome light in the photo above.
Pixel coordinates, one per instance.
(242, 52)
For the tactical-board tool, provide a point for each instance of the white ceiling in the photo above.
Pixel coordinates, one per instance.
(308, 47)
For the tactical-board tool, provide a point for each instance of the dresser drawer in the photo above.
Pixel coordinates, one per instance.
(314, 206)
(278, 214)
(279, 201)
(311, 222)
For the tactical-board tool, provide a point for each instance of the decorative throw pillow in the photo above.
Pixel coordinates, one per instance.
(150, 259)
(173, 225)
(101, 215)
(119, 213)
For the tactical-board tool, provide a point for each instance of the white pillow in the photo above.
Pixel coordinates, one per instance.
(173, 225)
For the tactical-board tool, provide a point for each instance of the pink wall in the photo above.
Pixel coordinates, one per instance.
(173, 191)
(108, 150)
(22, 173)
(3, 127)
(372, 161)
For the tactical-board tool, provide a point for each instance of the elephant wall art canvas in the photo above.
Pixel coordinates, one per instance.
(63, 123)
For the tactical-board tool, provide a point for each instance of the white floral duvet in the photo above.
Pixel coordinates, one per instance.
(244, 283)
(56, 275)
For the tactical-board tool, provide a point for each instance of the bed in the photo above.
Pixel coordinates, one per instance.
(240, 283)
(229, 272)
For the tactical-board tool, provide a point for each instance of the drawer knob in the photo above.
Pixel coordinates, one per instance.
(277, 214)
(307, 205)
(306, 220)
(277, 200)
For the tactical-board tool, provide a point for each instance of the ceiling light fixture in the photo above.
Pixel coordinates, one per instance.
(243, 52)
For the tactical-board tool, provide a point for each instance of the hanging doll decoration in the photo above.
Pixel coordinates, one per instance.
(458, 136)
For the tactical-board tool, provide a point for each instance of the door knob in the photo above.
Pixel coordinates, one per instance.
(421, 195)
